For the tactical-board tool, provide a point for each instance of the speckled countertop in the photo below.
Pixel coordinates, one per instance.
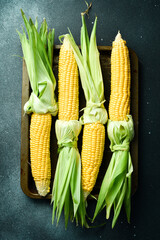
(138, 21)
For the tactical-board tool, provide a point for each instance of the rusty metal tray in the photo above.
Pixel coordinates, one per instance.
(27, 183)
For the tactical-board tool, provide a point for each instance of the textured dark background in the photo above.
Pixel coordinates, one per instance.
(138, 21)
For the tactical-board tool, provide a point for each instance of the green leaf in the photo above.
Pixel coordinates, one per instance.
(76, 183)
(84, 43)
(42, 80)
(112, 182)
(62, 197)
(116, 185)
(112, 193)
(67, 191)
(50, 46)
(55, 185)
(127, 200)
(81, 213)
(46, 101)
(43, 32)
(88, 83)
(119, 203)
(62, 181)
(41, 47)
(67, 207)
(104, 187)
(28, 47)
(65, 166)
(36, 24)
(94, 64)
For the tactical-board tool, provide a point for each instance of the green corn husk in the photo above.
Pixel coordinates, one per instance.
(67, 190)
(38, 55)
(116, 186)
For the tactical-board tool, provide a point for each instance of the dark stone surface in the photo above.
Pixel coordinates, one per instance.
(138, 21)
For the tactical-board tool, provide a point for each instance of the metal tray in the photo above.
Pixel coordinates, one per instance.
(27, 182)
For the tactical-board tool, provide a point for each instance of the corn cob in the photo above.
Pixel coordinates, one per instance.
(95, 115)
(40, 151)
(38, 55)
(92, 154)
(116, 185)
(94, 131)
(67, 190)
(119, 106)
(68, 84)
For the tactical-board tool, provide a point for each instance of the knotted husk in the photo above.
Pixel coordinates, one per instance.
(67, 190)
(116, 186)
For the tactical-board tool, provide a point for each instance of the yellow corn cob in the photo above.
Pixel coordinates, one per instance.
(119, 106)
(40, 151)
(68, 84)
(92, 154)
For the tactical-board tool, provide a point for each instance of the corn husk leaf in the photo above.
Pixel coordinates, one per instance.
(43, 32)
(94, 64)
(42, 80)
(50, 46)
(116, 186)
(36, 24)
(67, 192)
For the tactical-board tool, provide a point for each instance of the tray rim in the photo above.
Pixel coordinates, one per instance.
(24, 125)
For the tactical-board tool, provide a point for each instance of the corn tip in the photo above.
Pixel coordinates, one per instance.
(118, 36)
